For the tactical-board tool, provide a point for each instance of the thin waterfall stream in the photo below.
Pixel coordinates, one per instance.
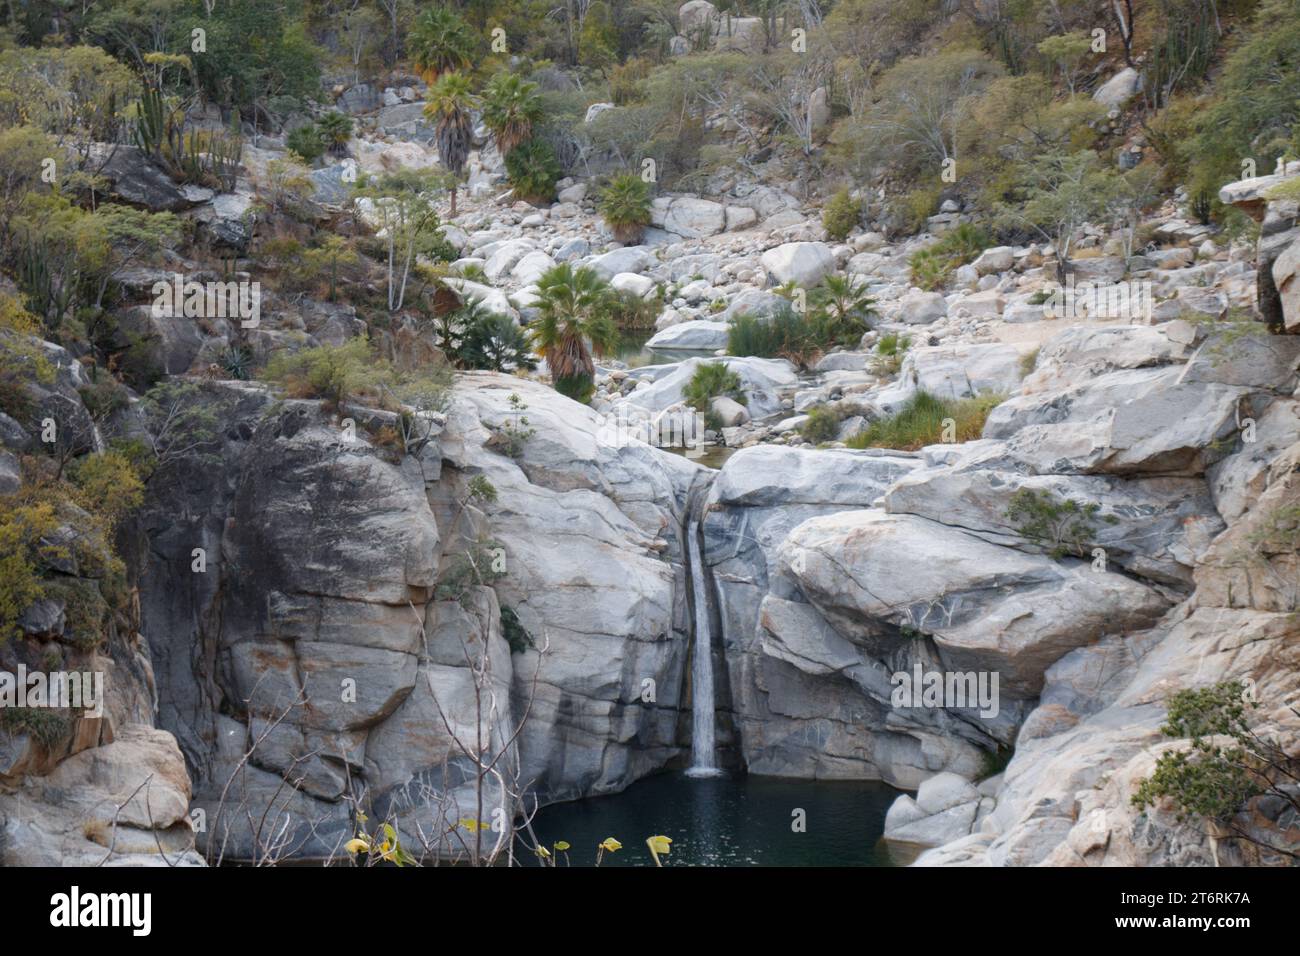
(703, 757)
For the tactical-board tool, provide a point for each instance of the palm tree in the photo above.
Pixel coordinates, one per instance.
(440, 42)
(511, 107)
(625, 207)
(573, 310)
(336, 129)
(843, 309)
(449, 102)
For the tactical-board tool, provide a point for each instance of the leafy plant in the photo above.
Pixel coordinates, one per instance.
(573, 320)
(440, 42)
(533, 171)
(511, 108)
(27, 524)
(494, 342)
(841, 214)
(933, 266)
(513, 630)
(823, 425)
(783, 334)
(712, 380)
(841, 310)
(1060, 527)
(236, 361)
(335, 130)
(334, 373)
(513, 433)
(1227, 766)
(625, 207)
(924, 419)
(448, 106)
(631, 312)
(306, 142)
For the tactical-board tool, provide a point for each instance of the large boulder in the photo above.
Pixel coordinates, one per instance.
(698, 18)
(810, 700)
(1155, 528)
(753, 302)
(963, 371)
(919, 308)
(697, 335)
(945, 809)
(137, 180)
(761, 379)
(636, 259)
(1119, 89)
(502, 260)
(987, 608)
(1286, 277)
(803, 263)
(690, 217)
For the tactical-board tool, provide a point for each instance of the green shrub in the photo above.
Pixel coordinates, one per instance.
(1060, 527)
(993, 762)
(495, 343)
(841, 214)
(822, 425)
(1227, 765)
(631, 312)
(784, 334)
(933, 266)
(27, 523)
(841, 311)
(334, 373)
(515, 633)
(625, 207)
(921, 422)
(889, 353)
(712, 380)
(915, 208)
(47, 726)
(306, 142)
(335, 129)
(533, 171)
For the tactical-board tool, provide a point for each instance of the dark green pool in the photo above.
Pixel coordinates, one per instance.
(727, 821)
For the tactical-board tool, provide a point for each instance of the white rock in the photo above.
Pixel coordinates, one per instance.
(1120, 88)
(803, 263)
(631, 282)
(996, 259)
(696, 335)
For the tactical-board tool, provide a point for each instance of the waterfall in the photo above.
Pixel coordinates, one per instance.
(703, 761)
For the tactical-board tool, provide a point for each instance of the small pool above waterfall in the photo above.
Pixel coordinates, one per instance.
(733, 820)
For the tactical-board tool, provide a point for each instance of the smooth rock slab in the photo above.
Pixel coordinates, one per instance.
(697, 335)
(987, 608)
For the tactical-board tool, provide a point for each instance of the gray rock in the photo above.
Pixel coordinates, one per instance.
(920, 308)
(729, 412)
(696, 335)
(986, 607)
(760, 378)
(575, 248)
(1119, 89)
(135, 179)
(803, 263)
(994, 260)
(636, 259)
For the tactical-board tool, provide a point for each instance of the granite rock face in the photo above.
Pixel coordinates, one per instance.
(321, 641)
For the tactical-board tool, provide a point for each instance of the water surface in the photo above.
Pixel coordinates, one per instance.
(732, 820)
